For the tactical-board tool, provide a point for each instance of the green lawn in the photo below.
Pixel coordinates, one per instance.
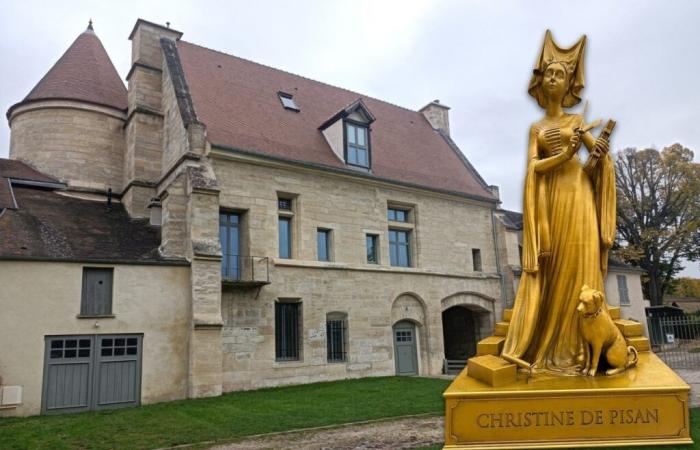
(239, 414)
(228, 417)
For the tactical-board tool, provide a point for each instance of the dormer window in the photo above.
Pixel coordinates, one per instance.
(288, 101)
(348, 135)
(356, 145)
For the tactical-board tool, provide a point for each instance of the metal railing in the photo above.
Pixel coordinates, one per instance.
(676, 340)
(245, 269)
(453, 366)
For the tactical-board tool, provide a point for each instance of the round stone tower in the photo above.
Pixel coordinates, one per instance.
(71, 125)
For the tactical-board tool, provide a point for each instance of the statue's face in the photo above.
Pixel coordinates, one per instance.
(555, 81)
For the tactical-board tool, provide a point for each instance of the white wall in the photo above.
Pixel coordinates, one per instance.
(43, 298)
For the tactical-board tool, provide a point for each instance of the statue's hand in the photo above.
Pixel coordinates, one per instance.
(601, 146)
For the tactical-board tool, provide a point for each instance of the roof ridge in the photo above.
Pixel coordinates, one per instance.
(302, 76)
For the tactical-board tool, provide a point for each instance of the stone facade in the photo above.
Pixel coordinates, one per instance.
(215, 335)
(77, 143)
(373, 296)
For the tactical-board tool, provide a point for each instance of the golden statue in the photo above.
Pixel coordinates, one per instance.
(561, 324)
(568, 220)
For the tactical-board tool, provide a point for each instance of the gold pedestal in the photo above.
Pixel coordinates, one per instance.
(646, 405)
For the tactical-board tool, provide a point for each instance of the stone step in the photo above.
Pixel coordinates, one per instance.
(629, 328)
(641, 343)
(614, 312)
(492, 345)
(507, 315)
(501, 329)
(491, 370)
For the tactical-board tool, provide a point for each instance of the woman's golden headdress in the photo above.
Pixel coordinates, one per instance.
(571, 58)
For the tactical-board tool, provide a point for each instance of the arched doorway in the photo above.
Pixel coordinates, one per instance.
(405, 352)
(460, 333)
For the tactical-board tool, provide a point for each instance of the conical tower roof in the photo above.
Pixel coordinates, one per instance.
(83, 73)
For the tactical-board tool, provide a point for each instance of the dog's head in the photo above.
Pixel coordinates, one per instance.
(589, 300)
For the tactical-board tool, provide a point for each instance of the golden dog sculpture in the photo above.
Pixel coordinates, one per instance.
(602, 336)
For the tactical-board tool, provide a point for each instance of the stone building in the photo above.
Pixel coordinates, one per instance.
(222, 225)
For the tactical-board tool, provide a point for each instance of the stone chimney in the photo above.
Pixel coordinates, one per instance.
(495, 190)
(438, 115)
(144, 124)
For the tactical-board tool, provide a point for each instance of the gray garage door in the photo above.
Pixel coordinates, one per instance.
(90, 372)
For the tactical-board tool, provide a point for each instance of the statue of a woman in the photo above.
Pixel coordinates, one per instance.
(568, 220)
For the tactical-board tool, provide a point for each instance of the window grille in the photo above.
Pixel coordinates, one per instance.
(335, 340)
(287, 331)
(284, 204)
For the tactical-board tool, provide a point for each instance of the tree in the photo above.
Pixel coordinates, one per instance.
(658, 213)
(686, 287)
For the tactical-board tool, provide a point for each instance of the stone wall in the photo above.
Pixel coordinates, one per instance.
(80, 144)
(175, 142)
(374, 297)
(153, 300)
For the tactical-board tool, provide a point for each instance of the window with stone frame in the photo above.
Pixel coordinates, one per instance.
(285, 223)
(372, 244)
(288, 331)
(476, 260)
(336, 337)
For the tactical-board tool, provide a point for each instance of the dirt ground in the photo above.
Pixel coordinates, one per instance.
(408, 433)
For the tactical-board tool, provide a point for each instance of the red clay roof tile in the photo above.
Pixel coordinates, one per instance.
(238, 102)
(84, 73)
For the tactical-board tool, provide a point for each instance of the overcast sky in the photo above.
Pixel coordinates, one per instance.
(642, 65)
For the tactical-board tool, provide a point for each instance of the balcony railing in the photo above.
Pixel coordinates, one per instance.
(245, 270)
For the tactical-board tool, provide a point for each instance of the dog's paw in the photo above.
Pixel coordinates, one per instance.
(591, 372)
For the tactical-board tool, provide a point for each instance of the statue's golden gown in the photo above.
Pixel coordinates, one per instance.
(568, 215)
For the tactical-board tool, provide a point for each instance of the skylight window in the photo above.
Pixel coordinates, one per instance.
(288, 101)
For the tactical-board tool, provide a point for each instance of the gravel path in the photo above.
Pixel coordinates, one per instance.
(406, 433)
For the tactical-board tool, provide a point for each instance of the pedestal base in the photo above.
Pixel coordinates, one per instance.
(646, 405)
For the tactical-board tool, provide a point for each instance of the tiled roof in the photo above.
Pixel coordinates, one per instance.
(84, 73)
(16, 170)
(52, 226)
(512, 219)
(238, 102)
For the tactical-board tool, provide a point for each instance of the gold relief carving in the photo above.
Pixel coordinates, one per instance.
(567, 418)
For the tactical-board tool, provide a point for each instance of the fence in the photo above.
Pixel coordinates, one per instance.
(676, 340)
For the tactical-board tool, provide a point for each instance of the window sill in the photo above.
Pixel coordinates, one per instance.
(278, 262)
(289, 364)
(395, 225)
(91, 316)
